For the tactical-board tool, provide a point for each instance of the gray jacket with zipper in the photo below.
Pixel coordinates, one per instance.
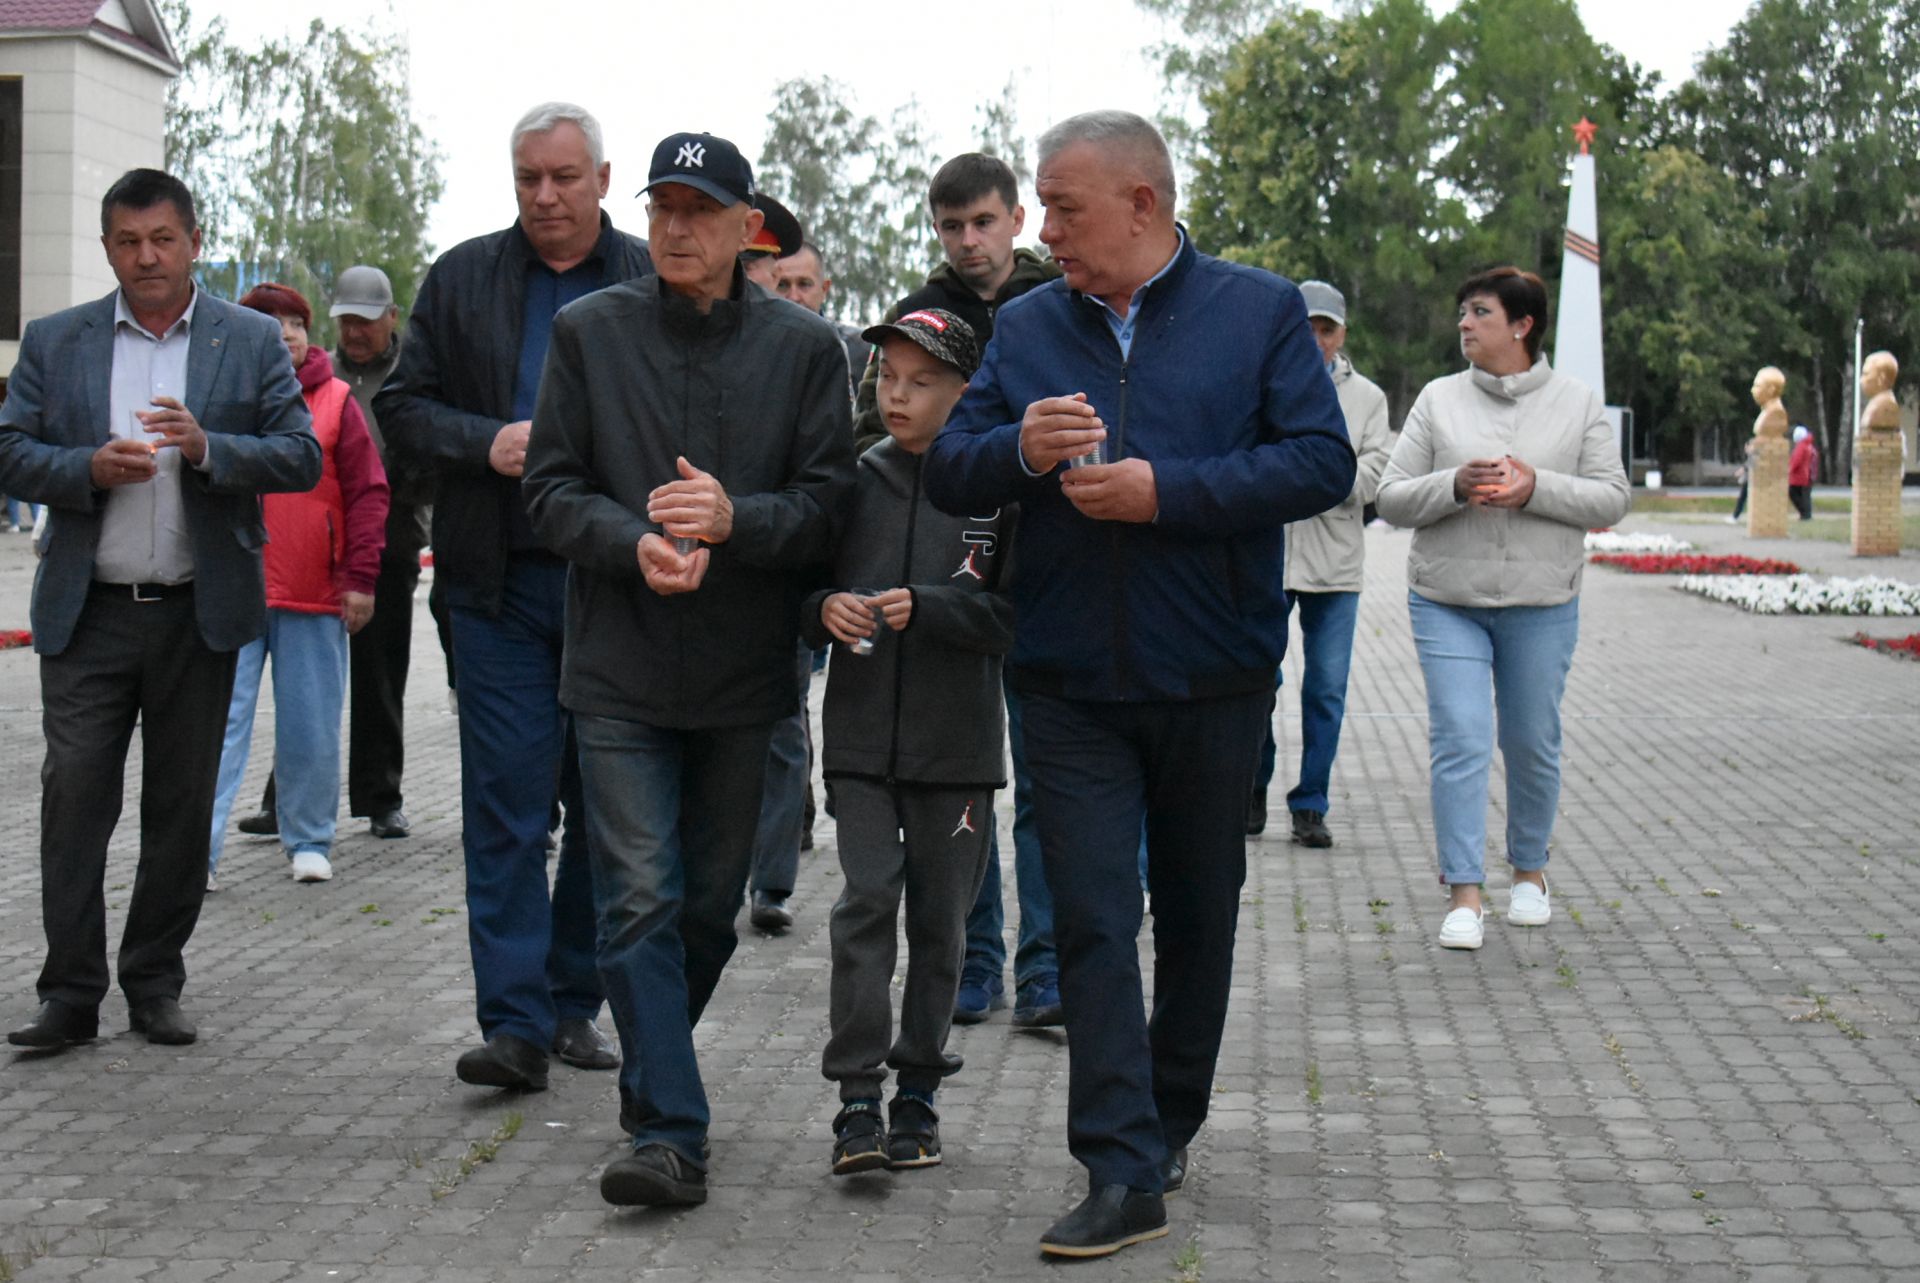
(925, 707)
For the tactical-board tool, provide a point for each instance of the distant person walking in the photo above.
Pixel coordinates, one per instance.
(1500, 471)
(1802, 467)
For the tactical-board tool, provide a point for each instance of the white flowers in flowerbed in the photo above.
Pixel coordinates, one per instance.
(1805, 595)
(1614, 541)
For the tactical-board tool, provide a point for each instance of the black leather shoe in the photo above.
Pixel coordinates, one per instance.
(261, 824)
(1110, 1218)
(653, 1176)
(56, 1025)
(1173, 1172)
(390, 824)
(579, 1042)
(1310, 829)
(1257, 814)
(161, 1020)
(505, 1061)
(770, 912)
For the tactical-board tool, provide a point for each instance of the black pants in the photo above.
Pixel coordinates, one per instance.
(128, 661)
(1802, 497)
(1138, 1088)
(376, 752)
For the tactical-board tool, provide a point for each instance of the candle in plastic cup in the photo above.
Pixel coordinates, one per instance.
(684, 545)
(864, 645)
(1099, 456)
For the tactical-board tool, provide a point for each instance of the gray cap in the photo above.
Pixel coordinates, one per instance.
(362, 291)
(1324, 300)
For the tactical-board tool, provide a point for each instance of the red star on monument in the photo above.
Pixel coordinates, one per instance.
(1583, 134)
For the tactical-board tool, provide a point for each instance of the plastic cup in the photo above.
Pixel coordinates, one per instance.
(864, 646)
(685, 545)
(1099, 456)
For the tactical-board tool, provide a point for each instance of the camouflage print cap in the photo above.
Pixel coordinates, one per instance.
(940, 332)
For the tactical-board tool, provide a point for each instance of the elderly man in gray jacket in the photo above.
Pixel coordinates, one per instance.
(1326, 560)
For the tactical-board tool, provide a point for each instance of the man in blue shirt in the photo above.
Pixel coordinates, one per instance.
(1149, 619)
(460, 406)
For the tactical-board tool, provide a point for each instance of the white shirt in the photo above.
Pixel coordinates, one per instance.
(143, 533)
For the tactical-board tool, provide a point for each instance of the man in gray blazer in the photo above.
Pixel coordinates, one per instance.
(149, 422)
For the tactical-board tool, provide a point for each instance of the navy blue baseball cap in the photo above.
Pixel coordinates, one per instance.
(705, 162)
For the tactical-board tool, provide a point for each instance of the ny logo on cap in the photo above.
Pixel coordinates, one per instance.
(692, 154)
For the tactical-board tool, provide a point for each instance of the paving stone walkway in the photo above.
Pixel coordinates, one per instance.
(1705, 1069)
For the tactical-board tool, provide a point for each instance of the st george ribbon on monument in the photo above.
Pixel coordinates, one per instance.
(1576, 344)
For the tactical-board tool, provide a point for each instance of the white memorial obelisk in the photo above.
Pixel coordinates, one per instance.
(1576, 346)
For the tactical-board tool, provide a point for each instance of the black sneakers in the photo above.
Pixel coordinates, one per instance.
(1257, 813)
(913, 1133)
(1310, 829)
(857, 1144)
(505, 1061)
(653, 1176)
(1110, 1218)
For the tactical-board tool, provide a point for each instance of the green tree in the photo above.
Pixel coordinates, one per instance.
(858, 188)
(1813, 109)
(305, 156)
(997, 131)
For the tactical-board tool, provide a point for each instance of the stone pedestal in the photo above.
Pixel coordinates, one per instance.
(1768, 508)
(1876, 494)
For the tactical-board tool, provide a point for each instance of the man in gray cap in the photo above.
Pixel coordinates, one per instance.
(1325, 559)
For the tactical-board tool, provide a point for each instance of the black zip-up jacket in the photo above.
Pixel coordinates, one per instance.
(452, 392)
(753, 392)
(945, 290)
(925, 706)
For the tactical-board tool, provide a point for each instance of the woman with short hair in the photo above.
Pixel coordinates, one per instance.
(1500, 471)
(322, 558)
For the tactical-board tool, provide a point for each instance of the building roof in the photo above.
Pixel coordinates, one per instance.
(128, 24)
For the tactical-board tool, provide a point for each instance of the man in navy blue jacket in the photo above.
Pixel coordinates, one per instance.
(1159, 415)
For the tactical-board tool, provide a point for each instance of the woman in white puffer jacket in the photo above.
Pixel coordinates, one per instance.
(1500, 470)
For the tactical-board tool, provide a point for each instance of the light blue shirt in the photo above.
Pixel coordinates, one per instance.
(143, 532)
(1122, 326)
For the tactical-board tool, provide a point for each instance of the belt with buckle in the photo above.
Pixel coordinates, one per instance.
(147, 592)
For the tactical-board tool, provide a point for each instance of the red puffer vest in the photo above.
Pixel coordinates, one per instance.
(307, 533)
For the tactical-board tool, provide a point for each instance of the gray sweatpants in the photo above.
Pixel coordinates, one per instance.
(930, 842)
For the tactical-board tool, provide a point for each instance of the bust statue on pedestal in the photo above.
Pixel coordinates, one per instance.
(1876, 461)
(1767, 502)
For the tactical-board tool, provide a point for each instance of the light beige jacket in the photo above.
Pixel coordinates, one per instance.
(1531, 556)
(1328, 553)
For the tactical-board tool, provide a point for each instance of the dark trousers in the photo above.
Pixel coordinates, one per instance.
(376, 753)
(1137, 1088)
(128, 661)
(533, 953)
(930, 844)
(671, 814)
(1802, 497)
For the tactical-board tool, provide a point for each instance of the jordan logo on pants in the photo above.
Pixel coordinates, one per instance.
(966, 823)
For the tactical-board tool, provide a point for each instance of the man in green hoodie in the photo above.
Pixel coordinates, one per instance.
(975, 203)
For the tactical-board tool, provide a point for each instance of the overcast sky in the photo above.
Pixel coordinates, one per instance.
(478, 64)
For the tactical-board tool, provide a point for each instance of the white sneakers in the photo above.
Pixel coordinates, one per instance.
(1530, 907)
(1464, 928)
(311, 866)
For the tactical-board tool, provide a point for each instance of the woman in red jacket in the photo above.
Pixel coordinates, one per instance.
(1801, 467)
(322, 557)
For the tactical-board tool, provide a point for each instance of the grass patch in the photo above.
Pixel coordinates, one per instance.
(1299, 914)
(1314, 1090)
(447, 1178)
(1840, 529)
(1721, 505)
(1823, 1010)
(1187, 1262)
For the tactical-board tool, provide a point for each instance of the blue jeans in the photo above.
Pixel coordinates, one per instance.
(776, 843)
(1474, 659)
(533, 950)
(1034, 960)
(1326, 630)
(670, 819)
(309, 688)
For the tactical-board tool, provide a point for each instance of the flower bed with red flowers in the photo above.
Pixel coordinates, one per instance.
(1693, 564)
(1907, 647)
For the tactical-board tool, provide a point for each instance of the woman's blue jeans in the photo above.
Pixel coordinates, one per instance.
(1486, 667)
(309, 688)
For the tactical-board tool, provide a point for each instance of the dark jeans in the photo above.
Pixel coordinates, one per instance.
(1034, 960)
(533, 953)
(128, 661)
(671, 815)
(377, 677)
(776, 843)
(1138, 1088)
(1802, 497)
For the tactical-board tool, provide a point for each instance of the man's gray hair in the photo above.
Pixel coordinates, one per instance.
(549, 115)
(1120, 133)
